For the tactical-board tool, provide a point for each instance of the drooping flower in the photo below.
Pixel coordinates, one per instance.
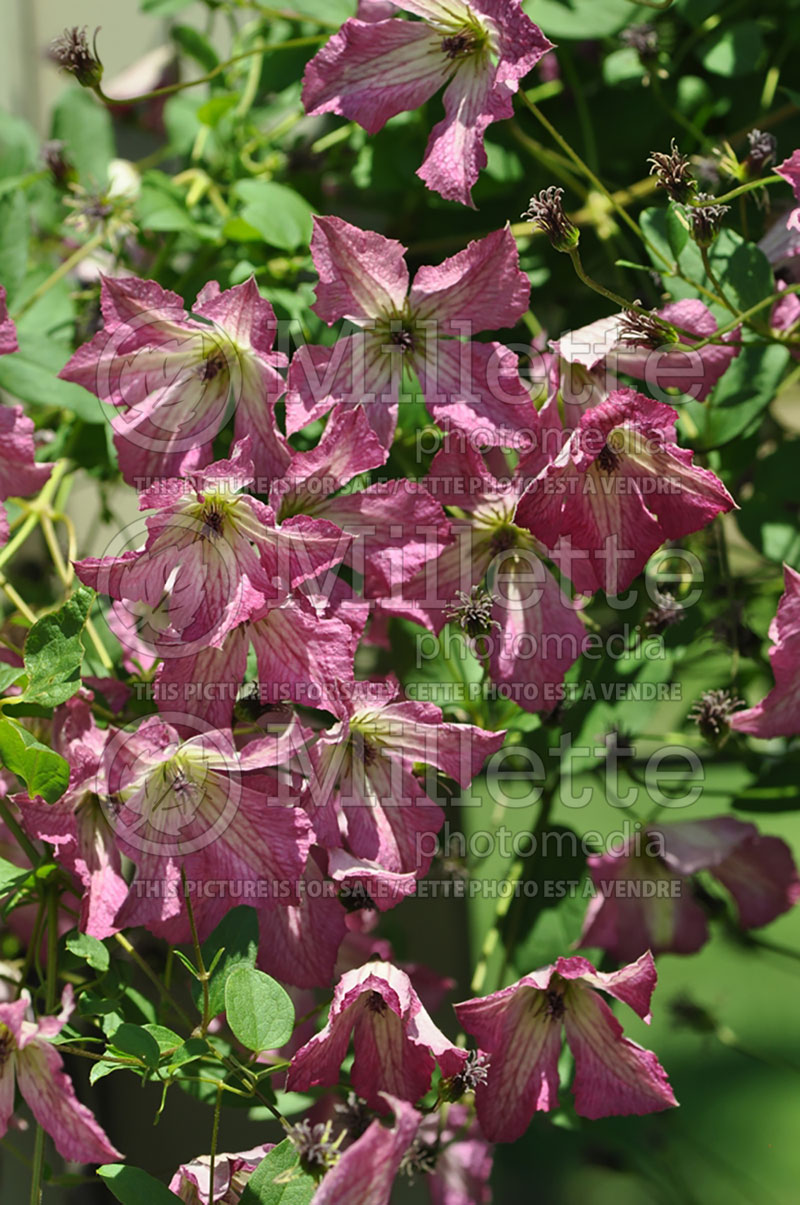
(192, 1181)
(363, 277)
(520, 1026)
(523, 623)
(618, 489)
(363, 795)
(790, 170)
(20, 475)
(397, 1045)
(199, 807)
(657, 349)
(174, 377)
(372, 70)
(29, 1059)
(366, 1171)
(779, 713)
(213, 557)
(76, 825)
(644, 890)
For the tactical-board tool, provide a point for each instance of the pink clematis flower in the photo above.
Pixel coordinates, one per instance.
(20, 475)
(396, 1043)
(213, 557)
(618, 489)
(626, 919)
(363, 795)
(8, 332)
(790, 170)
(779, 713)
(172, 376)
(76, 824)
(372, 70)
(521, 621)
(519, 1028)
(192, 1181)
(363, 277)
(29, 1059)
(365, 1173)
(201, 807)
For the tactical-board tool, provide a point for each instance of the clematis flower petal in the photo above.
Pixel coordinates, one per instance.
(362, 275)
(480, 288)
(778, 714)
(790, 170)
(370, 71)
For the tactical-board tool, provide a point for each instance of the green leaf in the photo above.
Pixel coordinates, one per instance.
(167, 1038)
(188, 1051)
(736, 51)
(135, 1040)
(677, 229)
(582, 19)
(237, 935)
(13, 241)
(132, 1186)
(280, 215)
(192, 42)
(212, 111)
(11, 876)
(746, 389)
(103, 1068)
(43, 771)
(622, 67)
(9, 675)
(90, 950)
(85, 127)
(259, 1011)
(54, 654)
(26, 378)
(329, 12)
(261, 1188)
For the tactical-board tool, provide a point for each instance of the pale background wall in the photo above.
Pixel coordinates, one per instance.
(29, 83)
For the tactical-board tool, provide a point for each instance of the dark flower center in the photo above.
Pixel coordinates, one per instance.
(459, 44)
(554, 1004)
(213, 520)
(213, 366)
(402, 339)
(376, 1003)
(608, 460)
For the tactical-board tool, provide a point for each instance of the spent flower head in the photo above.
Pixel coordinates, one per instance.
(645, 330)
(473, 612)
(644, 40)
(712, 713)
(707, 220)
(546, 212)
(762, 152)
(673, 173)
(72, 53)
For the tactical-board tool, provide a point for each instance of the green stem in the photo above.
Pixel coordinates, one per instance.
(743, 317)
(61, 271)
(660, 5)
(42, 504)
(50, 1000)
(738, 192)
(601, 289)
(202, 973)
(169, 89)
(712, 276)
(214, 1137)
(154, 979)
